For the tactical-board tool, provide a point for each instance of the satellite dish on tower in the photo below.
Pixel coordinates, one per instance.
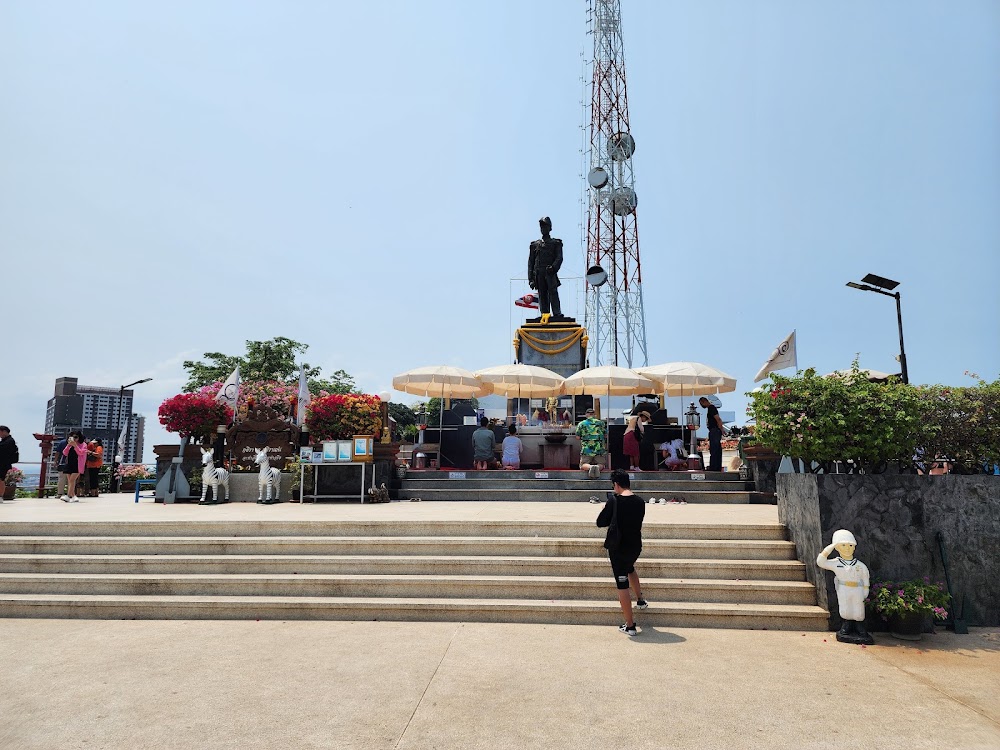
(596, 276)
(623, 201)
(621, 146)
(597, 178)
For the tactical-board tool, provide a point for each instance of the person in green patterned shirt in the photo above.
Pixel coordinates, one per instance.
(593, 444)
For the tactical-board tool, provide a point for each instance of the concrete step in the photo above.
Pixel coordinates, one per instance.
(379, 528)
(550, 475)
(541, 495)
(582, 612)
(403, 586)
(729, 549)
(644, 487)
(369, 565)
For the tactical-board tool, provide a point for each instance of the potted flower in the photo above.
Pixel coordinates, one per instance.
(129, 474)
(194, 415)
(11, 480)
(906, 605)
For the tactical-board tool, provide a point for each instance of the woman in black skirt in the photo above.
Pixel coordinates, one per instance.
(76, 463)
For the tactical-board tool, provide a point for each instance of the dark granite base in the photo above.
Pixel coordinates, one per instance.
(895, 519)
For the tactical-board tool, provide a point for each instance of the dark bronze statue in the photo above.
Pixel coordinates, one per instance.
(545, 257)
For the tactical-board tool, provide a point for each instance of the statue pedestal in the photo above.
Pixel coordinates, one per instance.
(559, 345)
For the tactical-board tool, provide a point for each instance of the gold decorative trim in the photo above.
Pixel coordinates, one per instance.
(551, 346)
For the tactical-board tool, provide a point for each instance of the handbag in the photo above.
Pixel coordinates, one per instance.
(613, 540)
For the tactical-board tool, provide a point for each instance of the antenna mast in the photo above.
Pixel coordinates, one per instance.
(614, 315)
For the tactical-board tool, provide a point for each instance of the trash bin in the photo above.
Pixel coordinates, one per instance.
(420, 461)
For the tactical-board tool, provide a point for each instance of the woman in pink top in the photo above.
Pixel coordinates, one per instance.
(76, 464)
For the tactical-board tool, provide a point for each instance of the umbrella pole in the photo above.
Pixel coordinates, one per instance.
(441, 455)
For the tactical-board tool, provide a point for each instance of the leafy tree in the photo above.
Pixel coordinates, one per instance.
(338, 382)
(402, 414)
(276, 359)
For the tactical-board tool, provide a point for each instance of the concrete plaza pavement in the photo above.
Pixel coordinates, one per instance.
(209, 684)
(121, 507)
(245, 684)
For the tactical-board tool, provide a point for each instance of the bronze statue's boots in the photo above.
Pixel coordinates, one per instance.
(861, 635)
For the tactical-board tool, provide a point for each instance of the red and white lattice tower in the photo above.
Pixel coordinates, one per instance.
(614, 317)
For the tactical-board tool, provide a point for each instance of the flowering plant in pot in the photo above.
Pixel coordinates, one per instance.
(194, 415)
(341, 416)
(906, 605)
(13, 477)
(128, 474)
(133, 472)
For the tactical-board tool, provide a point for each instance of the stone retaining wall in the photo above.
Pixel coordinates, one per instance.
(895, 519)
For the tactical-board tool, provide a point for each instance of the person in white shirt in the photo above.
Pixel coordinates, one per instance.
(674, 455)
(512, 449)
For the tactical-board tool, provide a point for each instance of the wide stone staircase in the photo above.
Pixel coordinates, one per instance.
(573, 486)
(739, 575)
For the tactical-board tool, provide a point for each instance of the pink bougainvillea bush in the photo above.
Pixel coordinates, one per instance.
(338, 417)
(132, 472)
(273, 394)
(194, 415)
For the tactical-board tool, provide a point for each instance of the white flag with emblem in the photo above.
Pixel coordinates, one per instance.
(304, 397)
(783, 356)
(229, 393)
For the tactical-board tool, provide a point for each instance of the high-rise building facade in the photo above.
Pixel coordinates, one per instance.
(97, 413)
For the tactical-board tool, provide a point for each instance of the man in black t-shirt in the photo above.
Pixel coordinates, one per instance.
(714, 422)
(630, 512)
(8, 456)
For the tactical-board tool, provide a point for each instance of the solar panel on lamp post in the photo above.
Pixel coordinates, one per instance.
(882, 285)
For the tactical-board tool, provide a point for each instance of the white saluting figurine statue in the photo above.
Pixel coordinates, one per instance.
(852, 586)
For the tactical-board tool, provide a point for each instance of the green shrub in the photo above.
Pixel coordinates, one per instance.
(847, 418)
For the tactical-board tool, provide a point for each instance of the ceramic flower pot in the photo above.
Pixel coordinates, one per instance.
(10, 490)
(908, 626)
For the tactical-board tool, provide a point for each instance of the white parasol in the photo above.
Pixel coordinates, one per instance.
(607, 380)
(689, 379)
(443, 381)
(522, 380)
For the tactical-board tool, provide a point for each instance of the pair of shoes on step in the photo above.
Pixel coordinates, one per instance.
(594, 472)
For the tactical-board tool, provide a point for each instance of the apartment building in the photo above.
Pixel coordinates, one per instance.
(97, 412)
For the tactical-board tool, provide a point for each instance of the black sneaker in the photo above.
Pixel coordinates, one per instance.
(642, 604)
(630, 631)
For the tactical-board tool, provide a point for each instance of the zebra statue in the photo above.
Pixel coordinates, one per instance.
(269, 476)
(210, 476)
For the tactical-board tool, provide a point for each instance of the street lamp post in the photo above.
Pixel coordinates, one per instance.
(115, 484)
(882, 285)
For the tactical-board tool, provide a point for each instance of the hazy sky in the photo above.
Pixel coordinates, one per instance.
(366, 177)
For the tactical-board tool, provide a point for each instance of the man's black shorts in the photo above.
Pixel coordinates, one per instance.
(623, 563)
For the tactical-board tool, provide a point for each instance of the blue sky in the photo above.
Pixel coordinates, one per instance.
(366, 177)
